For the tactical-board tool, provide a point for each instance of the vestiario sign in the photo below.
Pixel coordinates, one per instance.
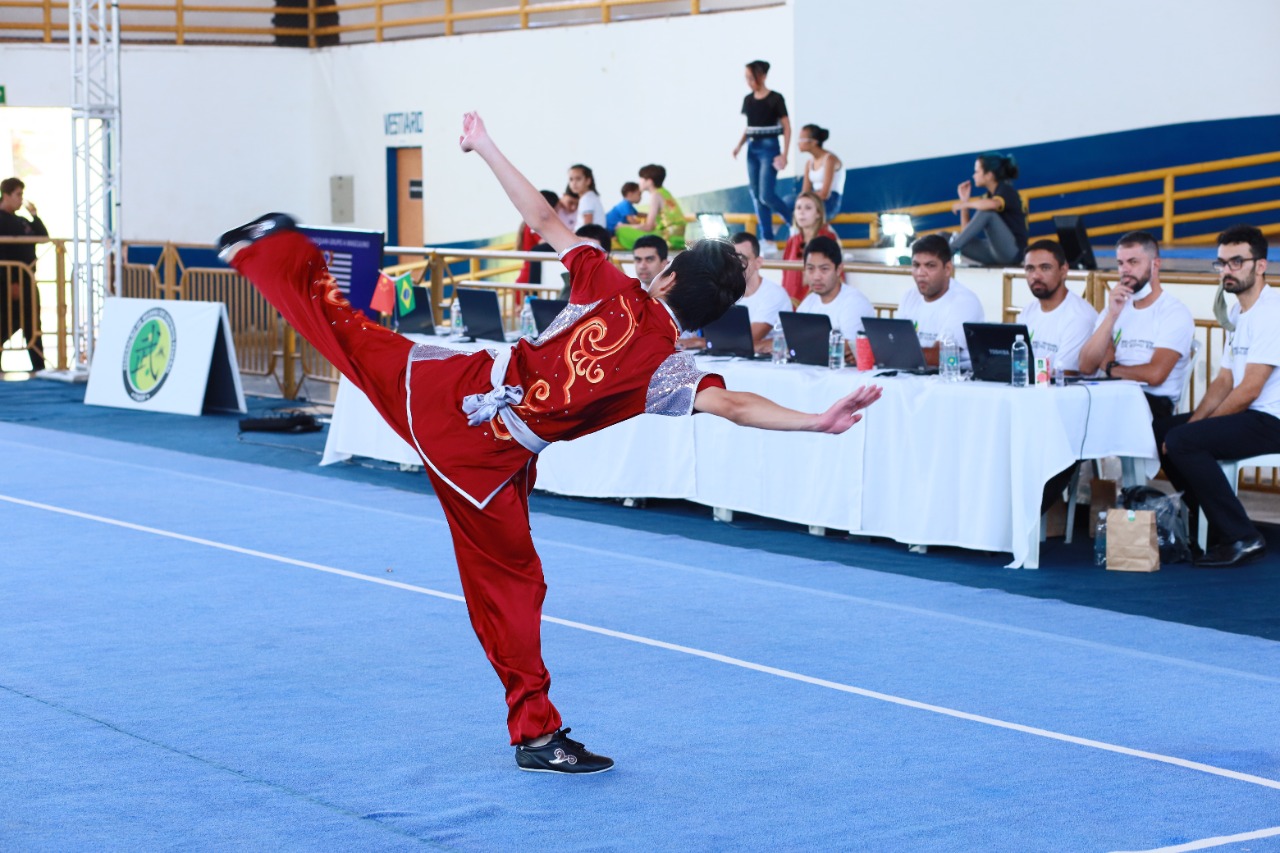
(398, 124)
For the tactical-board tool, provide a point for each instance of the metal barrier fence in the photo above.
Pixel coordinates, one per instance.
(316, 23)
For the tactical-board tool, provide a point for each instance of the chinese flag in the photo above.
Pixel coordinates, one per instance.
(384, 295)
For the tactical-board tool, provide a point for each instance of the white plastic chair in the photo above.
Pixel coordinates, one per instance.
(1231, 468)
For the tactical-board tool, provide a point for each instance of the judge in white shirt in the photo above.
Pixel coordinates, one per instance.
(763, 298)
(1144, 334)
(828, 293)
(938, 305)
(1060, 322)
(1239, 414)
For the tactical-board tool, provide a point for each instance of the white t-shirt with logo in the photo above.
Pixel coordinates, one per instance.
(1164, 324)
(946, 314)
(1059, 334)
(846, 310)
(1256, 340)
(763, 305)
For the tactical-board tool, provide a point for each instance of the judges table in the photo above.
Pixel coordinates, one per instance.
(932, 463)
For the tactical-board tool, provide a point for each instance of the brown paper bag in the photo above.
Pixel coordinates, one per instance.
(1131, 541)
(1102, 497)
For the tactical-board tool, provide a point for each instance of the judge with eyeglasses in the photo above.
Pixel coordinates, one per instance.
(1239, 414)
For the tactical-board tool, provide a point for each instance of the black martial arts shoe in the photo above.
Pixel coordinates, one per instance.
(237, 238)
(561, 755)
(1233, 554)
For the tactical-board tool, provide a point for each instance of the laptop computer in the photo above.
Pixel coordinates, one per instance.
(895, 345)
(481, 314)
(990, 347)
(808, 336)
(731, 334)
(545, 312)
(714, 226)
(419, 321)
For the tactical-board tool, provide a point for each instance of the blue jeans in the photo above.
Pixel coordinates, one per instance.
(832, 205)
(762, 181)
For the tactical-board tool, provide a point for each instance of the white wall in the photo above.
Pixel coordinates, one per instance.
(905, 81)
(215, 135)
(612, 96)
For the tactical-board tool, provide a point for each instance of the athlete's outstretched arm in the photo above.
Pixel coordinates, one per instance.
(537, 214)
(747, 409)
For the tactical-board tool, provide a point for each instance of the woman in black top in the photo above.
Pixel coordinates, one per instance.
(996, 235)
(768, 139)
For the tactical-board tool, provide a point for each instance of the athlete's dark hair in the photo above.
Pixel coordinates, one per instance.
(655, 173)
(587, 173)
(819, 134)
(1245, 234)
(1050, 246)
(759, 69)
(598, 233)
(9, 185)
(652, 241)
(826, 247)
(1142, 239)
(1003, 166)
(747, 237)
(709, 278)
(932, 244)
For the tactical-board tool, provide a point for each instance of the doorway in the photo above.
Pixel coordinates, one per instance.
(404, 199)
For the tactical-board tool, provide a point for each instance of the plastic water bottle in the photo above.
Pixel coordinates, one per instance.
(528, 328)
(779, 344)
(456, 326)
(948, 359)
(835, 350)
(1019, 358)
(1100, 540)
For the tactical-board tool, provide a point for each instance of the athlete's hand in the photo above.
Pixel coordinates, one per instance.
(473, 132)
(843, 414)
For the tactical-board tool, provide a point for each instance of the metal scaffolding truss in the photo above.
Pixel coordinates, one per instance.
(97, 260)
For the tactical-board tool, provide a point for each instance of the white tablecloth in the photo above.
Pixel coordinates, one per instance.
(932, 463)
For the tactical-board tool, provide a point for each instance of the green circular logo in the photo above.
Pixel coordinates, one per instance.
(148, 354)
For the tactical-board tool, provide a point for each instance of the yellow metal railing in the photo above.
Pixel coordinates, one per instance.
(316, 23)
(1168, 198)
(38, 303)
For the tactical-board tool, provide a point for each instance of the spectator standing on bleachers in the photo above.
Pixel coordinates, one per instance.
(650, 256)
(582, 182)
(938, 305)
(809, 220)
(664, 217)
(19, 299)
(624, 212)
(828, 293)
(528, 240)
(1144, 334)
(823, 171)
(768, 139)
(763, 298)
(996, 233)
(1239, 414)
(1059, 321)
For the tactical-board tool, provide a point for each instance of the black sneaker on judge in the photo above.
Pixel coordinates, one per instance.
(270, 223)
(561, 755)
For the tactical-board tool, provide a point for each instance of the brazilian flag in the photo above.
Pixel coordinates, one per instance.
(404, 294)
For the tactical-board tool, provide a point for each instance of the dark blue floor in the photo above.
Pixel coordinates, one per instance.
(1240, 601)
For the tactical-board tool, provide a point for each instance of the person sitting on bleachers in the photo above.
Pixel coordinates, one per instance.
(1059, 321)
(824, 172)
(828, 294)
(624, 212)
(590, 209)
(938, 304)
(764, 299)
(1144, 335)
(650, 256)
(809, 220)
(1239, 414)
(996, 235)
(664, 216)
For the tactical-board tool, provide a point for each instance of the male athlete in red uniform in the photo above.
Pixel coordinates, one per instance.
(479, 420)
